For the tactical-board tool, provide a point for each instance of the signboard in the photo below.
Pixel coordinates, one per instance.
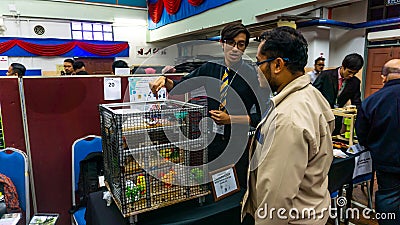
(224, 182)
(392, 2)
(4, 62)
(139, 90)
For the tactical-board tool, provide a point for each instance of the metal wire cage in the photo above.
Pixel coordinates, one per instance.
(151, 150)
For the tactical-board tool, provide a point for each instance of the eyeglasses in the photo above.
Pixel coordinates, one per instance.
(240, 44)
(269, 60)
(320, 64)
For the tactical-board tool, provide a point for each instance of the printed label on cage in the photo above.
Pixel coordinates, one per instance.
(224, 182)
(101, 181)
(219, 129)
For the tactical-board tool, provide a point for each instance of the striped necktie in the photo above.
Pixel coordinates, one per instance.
(223, 90)
(340, 83)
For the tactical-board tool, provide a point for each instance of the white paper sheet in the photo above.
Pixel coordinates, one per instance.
(363, 164)
(112, 88)
(122, 71)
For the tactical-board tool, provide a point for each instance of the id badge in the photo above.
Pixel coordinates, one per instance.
(219, 129)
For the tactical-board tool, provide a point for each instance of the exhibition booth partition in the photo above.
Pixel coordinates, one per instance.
(58, 111)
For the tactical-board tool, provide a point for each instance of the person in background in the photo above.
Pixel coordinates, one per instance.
(139, 70)
(119, 64)
(168, 69)
(377, 128)
(234, 41)
(79, 68)
(319, 64)
(68, 67)
(292, 150)
(16, 69)
(150, 70)
(340, 85)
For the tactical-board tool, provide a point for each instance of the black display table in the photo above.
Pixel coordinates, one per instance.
(225, 211)
(341, 173)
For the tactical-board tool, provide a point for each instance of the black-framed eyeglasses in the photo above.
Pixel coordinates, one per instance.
(233, 43)
(269, 60)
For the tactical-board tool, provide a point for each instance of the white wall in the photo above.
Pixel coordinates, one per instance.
(335, 43)
(244, 10)
(55, 17)
(344, 42)
(70, 10)
(318, 43)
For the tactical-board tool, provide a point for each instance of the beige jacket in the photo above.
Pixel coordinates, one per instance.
(290, 158)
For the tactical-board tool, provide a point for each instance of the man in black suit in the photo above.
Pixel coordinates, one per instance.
(340, 85)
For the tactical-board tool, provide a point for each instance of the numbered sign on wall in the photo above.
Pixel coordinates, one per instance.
(112, 88)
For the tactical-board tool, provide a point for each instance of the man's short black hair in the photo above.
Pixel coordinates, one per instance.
(119, 64)
(78, 65)
(18, 68)
(286, 42)
(353, 61)
(230, 31)
(318, 59)
(70, 61)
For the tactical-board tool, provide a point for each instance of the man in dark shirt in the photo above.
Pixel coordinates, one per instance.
(340, 85)
(231, 121)
(119, 64)
(16, 69)
(79, 68)
(378, 129)
(68, 67)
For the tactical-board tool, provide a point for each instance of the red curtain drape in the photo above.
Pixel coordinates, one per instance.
(102, 50)
(7, 45)
(172, 7)
(61, 49)
(156, 10)
(195, 2)
(46, 50)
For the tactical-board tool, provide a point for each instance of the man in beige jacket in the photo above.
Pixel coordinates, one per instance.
(292, 149)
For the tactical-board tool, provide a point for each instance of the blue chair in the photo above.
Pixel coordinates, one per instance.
(80, 149)
(366, 180)
(14, 164)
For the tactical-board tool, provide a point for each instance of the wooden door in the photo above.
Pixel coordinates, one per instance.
(377, 57)
(97, 65)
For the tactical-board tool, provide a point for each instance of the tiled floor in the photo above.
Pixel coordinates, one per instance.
(360, 200)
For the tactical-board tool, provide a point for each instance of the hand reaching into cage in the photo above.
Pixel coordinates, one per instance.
(220, 117)
(161, 81)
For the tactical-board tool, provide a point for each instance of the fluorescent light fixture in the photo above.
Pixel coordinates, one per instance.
(384, 35)
(129, 22)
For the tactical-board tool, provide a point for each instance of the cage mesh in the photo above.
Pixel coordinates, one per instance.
(148, 148)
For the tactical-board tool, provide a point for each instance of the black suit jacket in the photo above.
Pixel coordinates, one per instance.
(327, 84)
